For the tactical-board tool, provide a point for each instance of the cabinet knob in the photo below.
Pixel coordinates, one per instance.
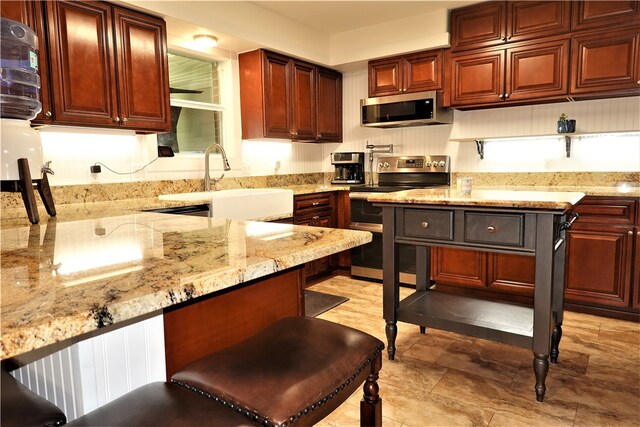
(500, 95)
(639, 82)
(630, 233)
(491, 229)
(315, 203)
(125, 120)
(506, 95)
(48, 113)
(424, 224)
(116, 119)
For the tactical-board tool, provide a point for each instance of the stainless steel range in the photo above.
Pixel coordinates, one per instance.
(395, 173)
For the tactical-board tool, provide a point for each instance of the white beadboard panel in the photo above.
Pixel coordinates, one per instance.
(95, 371)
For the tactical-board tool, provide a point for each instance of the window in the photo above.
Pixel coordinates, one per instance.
(196, 106)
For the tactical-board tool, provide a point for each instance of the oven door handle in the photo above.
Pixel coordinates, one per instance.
(365, 226)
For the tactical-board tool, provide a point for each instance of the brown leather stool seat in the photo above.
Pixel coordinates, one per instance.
(296, 371)
(161, 404)
(22, 407)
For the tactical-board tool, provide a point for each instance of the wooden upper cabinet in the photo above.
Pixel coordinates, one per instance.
(31, 14)
(478, 26)
(329, 105)
(536, 71)
(532, 19)
(496, 23)
(605, 62)
(524, 72)
(477, 78)
(303, 103)
(108, 67)
(83, 71)
(594, 14)
(281, 97)
(143, 74)
(417, 72)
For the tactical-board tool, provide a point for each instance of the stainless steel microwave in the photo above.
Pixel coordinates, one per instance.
(412, 109)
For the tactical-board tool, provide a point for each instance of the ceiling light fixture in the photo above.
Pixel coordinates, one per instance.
(205, 40)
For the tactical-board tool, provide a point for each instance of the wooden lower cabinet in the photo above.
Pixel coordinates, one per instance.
(316, 210)
(602, 271)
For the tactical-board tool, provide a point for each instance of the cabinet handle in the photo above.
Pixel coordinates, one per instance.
(491, 229)
(125, 120)
(424, 224)
(48, 113)
(116, 119)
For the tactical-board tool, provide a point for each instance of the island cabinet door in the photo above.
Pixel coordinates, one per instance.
(514, 274)
(598, 270)
(82, 59)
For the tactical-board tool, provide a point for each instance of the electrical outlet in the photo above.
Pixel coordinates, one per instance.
(95, 169)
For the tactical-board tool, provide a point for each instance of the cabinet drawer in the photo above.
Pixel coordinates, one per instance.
(606, 210)
(312, 202)
(505, 230)
(428, 224)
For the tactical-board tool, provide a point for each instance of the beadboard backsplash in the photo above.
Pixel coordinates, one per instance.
(73, 150)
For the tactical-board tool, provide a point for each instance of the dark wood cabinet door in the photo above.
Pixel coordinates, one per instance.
(594, 14)
(598, 270)
(636, 269)
(31, 13)
(385, 77)
(303, 101)
(143, 76)
(606, 62)
(459, 267)
(422, 71)
(329, 105)
(532, 19)
(478, 78)
(514, 274)
(82, 63)
(538, 71)
(277, 96)
(478, 26)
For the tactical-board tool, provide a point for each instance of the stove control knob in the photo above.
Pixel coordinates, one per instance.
(386, 164)
(428, 164)
(380, 165)
(442, 163)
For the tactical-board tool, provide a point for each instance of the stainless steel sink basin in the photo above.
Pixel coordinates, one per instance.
(241, 203)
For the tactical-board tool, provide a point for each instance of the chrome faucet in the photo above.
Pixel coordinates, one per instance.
(376, 149)
(225, 165)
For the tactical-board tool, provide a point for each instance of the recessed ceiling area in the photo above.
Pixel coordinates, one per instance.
(339, 16)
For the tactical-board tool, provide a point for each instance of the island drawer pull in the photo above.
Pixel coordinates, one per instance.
(491, 229)
(424, 224)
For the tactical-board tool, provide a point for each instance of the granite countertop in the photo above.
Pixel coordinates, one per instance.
(480, 197)
(62, 279)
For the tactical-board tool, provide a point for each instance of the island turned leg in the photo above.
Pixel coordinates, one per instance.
(540, 368)
(423, 330)
(392, 331)
(555, 342)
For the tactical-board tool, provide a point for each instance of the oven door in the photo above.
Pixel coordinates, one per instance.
(366, 260)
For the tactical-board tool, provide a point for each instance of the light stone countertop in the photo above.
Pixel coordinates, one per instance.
(449, 196)
(63, 279)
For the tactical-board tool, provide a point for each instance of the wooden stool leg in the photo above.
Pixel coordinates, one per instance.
(371, 404)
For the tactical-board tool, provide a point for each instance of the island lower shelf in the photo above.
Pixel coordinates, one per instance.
(497, 321)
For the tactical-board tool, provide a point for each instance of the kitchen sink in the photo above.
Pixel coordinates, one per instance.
(241, 203)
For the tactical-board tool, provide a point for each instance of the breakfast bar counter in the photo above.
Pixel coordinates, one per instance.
(63, 280)
(529, 223)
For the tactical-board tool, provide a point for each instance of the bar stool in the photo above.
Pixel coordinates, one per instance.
(21, 407)
(294, 372)
(161, 404)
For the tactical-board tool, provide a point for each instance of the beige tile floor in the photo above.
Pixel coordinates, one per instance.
(447, 379)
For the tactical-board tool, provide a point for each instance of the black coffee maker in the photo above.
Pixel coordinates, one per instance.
(349, 168)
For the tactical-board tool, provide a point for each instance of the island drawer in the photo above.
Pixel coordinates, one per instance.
(427, 224)
(494, 229)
